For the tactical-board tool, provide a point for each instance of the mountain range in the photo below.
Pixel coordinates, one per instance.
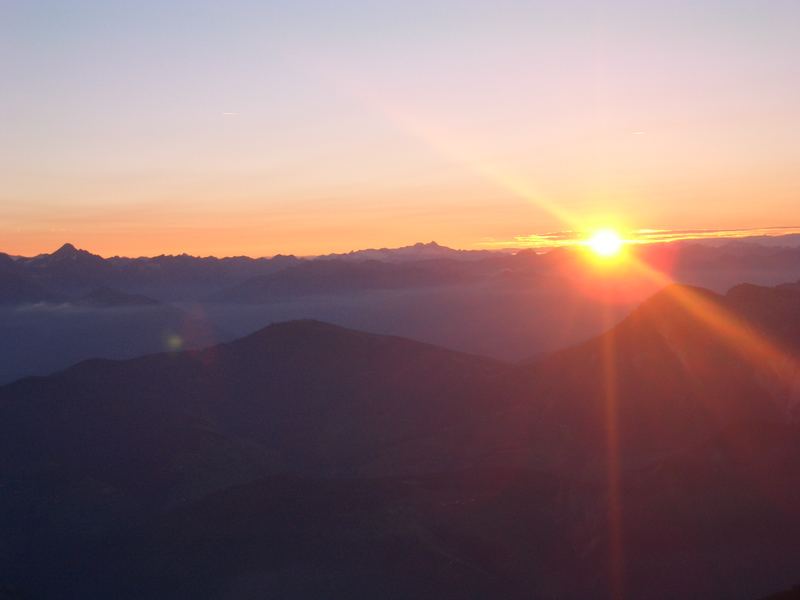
(415, 252)
(660, 459)
(70, 271)
(69, 305)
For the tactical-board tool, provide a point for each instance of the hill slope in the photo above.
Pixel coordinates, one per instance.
(310, 460)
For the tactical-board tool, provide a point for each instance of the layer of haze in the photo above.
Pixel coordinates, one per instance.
(263, 127)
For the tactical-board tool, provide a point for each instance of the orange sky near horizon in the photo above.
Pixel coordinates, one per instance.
(308, 128)
(107, 245)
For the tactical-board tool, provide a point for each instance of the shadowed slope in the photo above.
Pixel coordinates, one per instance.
(667, 376)
(309, 460)
(314, 396)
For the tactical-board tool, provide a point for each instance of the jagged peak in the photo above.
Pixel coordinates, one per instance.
(67, 248)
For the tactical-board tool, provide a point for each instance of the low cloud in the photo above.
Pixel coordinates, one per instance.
(556, 239)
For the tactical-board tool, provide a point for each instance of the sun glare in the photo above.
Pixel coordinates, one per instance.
(605, 243)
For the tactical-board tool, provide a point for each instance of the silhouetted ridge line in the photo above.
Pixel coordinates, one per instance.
(674, 295)
(307, 333)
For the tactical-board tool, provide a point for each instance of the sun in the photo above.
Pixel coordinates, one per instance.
(605, 243)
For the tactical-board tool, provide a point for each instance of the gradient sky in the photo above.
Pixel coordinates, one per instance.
(305, 127)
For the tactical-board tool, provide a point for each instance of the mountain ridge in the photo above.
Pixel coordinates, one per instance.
(334, 459)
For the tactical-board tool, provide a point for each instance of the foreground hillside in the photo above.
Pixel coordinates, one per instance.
(658, 460)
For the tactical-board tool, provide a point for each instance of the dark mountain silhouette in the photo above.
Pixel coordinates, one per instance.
(73, 271)
(191, 277)
(17, 289)
(684, 364)
(695, 525)
(353, 393)
(519, 305)
(309, 460)
(70, 271)
(773, 309)
(67, 269)
(66, 254)
(134, 438)
(413, 253)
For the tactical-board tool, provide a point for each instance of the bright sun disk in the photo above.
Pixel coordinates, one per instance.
(605, 243)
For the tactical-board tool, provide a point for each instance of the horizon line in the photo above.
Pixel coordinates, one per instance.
(544, 242)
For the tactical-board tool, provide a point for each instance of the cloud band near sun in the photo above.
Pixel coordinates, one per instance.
(558, 239)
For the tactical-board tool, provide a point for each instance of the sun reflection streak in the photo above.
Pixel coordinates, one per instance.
(435, 137)
(459, 151)
(750, 344)
(613, 466)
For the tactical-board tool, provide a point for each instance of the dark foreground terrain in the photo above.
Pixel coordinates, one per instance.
(658, 460)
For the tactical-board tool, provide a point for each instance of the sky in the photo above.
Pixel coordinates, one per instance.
(141, 128)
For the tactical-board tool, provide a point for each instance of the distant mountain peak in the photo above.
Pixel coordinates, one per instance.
(66, 249)
(417, 251)
(70, 252)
